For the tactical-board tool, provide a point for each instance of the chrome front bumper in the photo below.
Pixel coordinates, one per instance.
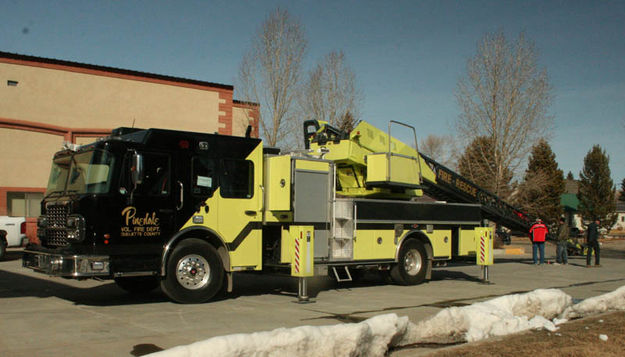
(69, 266)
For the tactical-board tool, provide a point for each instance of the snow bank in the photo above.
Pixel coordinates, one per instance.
(496, 317)
(614, 300)
(368, 338)
(542, 308)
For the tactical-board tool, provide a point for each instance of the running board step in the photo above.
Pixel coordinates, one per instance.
(346, 277)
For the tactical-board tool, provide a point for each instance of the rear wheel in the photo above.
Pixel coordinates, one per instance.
(194, 272)
(412, 264)
(137, 284)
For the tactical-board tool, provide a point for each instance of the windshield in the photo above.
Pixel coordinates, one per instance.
(84, 172)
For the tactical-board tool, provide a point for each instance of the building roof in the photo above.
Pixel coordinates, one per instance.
(7, 57)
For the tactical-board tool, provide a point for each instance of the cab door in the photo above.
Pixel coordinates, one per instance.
(240, 204)
(147, 214)
(226, 192)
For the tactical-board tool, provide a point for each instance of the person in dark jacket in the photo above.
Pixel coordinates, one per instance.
(562, 238)
(592, 240)
(538, 233)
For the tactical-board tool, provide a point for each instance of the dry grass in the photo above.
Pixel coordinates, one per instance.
(576, 338)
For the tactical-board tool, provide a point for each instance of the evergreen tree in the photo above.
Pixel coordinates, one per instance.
(621, 197)
(347, 122)
(543, 184)
(477, 163)
(570, 176)
(596, 188)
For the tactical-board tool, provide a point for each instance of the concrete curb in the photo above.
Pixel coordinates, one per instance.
(509, 251)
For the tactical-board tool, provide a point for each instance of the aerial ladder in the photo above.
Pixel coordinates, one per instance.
(373, 164)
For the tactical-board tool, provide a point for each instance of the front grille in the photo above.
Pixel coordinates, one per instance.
(56, 234)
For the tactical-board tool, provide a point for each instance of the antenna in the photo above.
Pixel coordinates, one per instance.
(133, 123)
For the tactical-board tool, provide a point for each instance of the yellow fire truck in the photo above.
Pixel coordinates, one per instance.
(185, 211)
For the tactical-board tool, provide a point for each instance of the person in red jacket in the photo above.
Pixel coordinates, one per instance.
(538, 233)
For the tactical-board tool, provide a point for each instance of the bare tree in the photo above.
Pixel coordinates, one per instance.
(439, 148)
(270, 72)
(504, 97)
(477, 165)
(330, 92)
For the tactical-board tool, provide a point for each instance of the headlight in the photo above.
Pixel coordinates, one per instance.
(42, 221)
(42, 224)
(75, 228)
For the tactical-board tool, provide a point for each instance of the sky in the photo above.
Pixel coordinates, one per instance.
(407, 55)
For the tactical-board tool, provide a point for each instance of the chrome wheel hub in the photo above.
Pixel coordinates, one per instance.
(193, 272)
(412, 262)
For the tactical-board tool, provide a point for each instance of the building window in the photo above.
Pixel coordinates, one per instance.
(11, 83)
(24, 204)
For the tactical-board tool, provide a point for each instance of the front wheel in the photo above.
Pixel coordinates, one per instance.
(194, 272)
(412, 264)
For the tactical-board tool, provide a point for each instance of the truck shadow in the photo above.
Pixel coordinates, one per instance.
(17, 285)
(13, 285)
(256, 284)
(439, 275)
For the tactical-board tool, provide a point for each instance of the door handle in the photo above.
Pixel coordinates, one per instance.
(181, 203)
(250, 213)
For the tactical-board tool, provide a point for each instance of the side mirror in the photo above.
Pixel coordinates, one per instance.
(136, 171)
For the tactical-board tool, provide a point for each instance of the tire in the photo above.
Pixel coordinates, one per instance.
(194, 273)
(412, 264)
(138, 284)
(3, 248)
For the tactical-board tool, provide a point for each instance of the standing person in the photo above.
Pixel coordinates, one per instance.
(562, 238)
(538, 233)
(592, 240)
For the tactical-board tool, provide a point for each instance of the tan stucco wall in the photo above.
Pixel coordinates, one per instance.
(26, 157)
(240, 120)
(80, 100)
(85, 140)
(76, 98)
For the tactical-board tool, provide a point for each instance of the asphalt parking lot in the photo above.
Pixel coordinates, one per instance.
(56, 317)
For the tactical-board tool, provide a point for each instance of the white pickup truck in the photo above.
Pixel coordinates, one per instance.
(12, 233)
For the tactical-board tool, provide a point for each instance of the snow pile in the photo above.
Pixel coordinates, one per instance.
(614, 300)
(368, 338)
(542, 308)
(496, 317)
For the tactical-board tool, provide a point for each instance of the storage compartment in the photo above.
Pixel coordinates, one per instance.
(392, 170)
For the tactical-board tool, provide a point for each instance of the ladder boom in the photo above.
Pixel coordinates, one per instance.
(371, 163)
